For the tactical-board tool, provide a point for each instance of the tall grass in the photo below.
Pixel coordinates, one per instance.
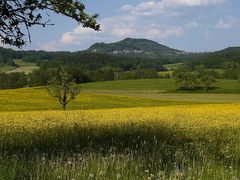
(194, 142)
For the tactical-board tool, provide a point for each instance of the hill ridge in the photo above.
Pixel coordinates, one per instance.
(134, 46)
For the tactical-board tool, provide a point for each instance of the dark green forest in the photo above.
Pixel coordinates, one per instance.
(127, 59)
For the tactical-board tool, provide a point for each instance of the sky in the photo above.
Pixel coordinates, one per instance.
(189, 25)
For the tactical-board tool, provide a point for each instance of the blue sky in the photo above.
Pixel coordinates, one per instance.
(190, 25)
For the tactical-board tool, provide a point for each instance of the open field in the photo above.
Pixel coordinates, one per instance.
(139, 129)
(175, 97)
(116, 94)
(180, 142)
(29, 99)
(5, 68)
(165, 73)
(161, 86)
(172, 66)
(25, 67)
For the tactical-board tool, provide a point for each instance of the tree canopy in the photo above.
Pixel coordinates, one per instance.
(18, 16)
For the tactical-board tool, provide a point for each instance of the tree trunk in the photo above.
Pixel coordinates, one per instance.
(64, 99)
(64, 107)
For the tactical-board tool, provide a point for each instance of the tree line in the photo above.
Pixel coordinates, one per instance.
(42, 77)
(215, 59)
(91, 60)
(186, 77)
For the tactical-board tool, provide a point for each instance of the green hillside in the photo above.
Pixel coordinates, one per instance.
(23, 66)
(216, 59)
(138, 47)
(126, 54)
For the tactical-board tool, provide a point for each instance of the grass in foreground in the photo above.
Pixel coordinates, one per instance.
(194, 141)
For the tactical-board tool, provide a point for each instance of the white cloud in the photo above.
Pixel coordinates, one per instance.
(119, 27)
(226, 24)
(80, 32)
(192, 2)
(132, 24)
(50, 46)
(153, 7)
(111, 28)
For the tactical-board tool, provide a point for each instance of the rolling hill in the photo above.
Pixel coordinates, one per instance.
(127, 54)
(215, 59)
(136, 47)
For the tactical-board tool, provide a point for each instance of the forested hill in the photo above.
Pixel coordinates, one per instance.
(7, 55)
(135, 47)
(84, 59)
(216, 59)
(127, 54)
(93, 61)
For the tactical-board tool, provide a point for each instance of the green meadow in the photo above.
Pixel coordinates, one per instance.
(162, 86)
(23, 66)
(118, 94)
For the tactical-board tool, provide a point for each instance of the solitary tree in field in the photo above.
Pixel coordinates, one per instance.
(63, 88)
(18, 16)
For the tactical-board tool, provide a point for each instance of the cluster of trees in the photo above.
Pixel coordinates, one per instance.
(61, 84)
(13, 80)
(19, 80)
(88, 61)
(108, 73)
(231, 70)
(5, 61)
(194, 80)
(187, 77)
(7, 56)
(42, 77)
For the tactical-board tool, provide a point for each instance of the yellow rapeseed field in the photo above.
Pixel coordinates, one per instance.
(191, 118)
(214, 123)
(174, 142)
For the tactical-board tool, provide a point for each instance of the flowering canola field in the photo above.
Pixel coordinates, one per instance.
(195, 122)
(125, 135)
